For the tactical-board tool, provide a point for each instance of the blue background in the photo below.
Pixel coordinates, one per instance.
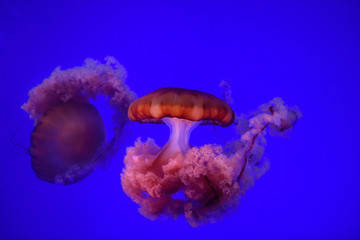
(306, 52)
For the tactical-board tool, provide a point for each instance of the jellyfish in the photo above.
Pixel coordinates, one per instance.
(68, 139)
(204, 183)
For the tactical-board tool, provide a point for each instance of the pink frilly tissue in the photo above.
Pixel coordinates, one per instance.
(207, 182)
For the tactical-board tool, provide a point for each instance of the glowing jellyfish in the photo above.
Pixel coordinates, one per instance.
(202, 183)
(68, 140)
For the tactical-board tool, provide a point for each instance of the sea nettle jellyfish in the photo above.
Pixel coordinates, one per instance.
(201, 183)
(68, 141)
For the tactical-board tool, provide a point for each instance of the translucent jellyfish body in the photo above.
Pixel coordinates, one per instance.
(68, 140)
(201, 183)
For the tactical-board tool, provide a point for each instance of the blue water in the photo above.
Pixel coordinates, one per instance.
(306, 52)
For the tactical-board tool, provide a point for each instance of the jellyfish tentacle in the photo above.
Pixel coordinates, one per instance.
(274, 115)
(255, 134)
(202, 183)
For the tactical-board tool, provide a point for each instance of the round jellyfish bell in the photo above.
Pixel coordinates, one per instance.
(69, 134)
(181, 110)
(68, 140)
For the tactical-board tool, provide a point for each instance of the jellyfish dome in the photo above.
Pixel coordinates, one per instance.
(202, 183)
(68, 140)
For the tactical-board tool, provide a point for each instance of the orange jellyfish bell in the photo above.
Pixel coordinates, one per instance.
(181, 103)
(66, 138)
(182, 110)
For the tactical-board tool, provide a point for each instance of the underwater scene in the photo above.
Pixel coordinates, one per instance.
(179, 120)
